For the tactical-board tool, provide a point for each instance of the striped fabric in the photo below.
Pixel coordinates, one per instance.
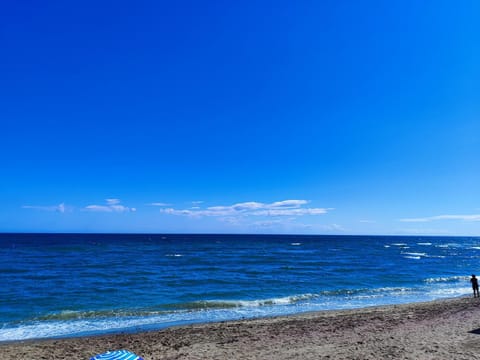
(117, 355)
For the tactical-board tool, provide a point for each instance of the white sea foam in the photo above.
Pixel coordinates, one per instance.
(264, 302)
(449, 292)
(413, 257)
(424, 243)
(449, 245)
(328, 300)
(418, 254)
(74, 327)
(414, 254)
(296, 244)
(446, 279)
(80, 327)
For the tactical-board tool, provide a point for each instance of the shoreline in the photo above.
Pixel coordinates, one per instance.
(439, 329)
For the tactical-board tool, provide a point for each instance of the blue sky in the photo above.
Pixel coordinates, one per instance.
(310, 117)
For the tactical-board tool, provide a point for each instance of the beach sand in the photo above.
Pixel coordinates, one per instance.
(443, 329)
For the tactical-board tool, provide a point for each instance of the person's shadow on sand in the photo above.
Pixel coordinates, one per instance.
(476, 331)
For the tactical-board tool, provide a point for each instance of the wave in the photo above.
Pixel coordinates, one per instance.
(76, 323)
(206, 305)
(174, 308)
(95, 314)
(414, 254)
(449, 245)
(418, 255)
(446, 279)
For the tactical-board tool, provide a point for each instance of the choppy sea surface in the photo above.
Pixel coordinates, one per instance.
(62, 285)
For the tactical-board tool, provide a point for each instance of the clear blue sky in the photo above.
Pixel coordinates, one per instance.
(315, 117)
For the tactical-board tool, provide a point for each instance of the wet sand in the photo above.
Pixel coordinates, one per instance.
(443, 329)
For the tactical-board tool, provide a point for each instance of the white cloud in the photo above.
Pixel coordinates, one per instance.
(215, 211)
(252, 208)
(247, 206)
(288, 204)
(291, 212)
(113, 205)
(61, 208)
(158, 204)
(270, 223)
(231, 220)
(333, 227)
(99, 208)
(172, 211)
(416, 231)
(474, 217)
(218, 210)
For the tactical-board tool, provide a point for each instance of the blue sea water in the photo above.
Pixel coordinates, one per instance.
(61, 285)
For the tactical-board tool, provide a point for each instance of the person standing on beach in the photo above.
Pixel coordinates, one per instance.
(474, 282)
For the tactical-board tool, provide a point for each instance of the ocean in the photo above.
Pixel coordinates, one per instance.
(63, 285)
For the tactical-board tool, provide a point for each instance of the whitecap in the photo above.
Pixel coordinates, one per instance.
(446, 279)
(414, 254)
(450, 245)
(229, 304)
(449, 292)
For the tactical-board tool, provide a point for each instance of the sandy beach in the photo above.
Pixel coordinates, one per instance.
(443, 329)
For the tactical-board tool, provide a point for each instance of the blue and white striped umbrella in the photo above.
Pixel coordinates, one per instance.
(117, 355)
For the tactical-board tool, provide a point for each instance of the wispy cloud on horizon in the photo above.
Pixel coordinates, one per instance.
(332, 227)
(426, 231)
(474, 217)
(112, 205)
(251, 208)
(160, 204)
(61, 208)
